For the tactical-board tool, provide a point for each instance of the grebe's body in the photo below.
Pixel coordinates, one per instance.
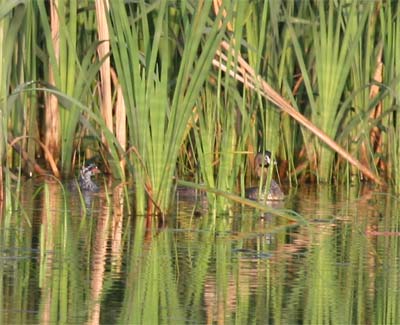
(261, 164)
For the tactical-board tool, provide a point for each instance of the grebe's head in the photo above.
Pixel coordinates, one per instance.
(85, 178)
(261, 161)
(89, 170)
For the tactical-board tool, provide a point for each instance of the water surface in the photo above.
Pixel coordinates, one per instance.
(67, 260)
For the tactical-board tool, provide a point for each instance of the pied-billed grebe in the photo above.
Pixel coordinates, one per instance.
(261, 164)
(85, 178)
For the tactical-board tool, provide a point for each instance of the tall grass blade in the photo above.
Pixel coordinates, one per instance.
(12, 14)
(158, 115)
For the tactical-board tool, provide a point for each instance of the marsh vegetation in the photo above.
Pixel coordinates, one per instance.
(164, 90)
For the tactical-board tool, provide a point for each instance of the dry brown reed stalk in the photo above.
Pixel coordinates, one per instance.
(120, 117)
(52, 117)
(375, 134)
(13, 143)
(1, 190)
(103, 51)
(244, 73)
(217, 5)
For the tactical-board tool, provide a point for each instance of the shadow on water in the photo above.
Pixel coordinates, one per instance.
(61, 262)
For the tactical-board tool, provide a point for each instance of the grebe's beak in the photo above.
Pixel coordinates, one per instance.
(96, 170)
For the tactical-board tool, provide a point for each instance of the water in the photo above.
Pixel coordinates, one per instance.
(67, 261)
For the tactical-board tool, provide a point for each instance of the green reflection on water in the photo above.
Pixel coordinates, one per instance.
(108, 267)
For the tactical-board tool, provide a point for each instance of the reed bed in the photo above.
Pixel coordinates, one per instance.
(193, 90)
